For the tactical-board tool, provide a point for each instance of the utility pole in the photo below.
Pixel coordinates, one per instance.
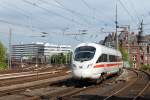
(141, 39)
(10, 47)
(141, 28)
(116, 22)
(129, 42)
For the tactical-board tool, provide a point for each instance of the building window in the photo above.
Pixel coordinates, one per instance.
(134, 65)
(134, 58)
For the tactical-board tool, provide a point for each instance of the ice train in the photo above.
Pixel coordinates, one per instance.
(95, 62)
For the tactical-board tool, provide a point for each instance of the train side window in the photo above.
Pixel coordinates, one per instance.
(112, 58)
(102, 58)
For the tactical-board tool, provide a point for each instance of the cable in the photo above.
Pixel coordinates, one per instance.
(17, 24)
(61, 6)
(97, 13)
(7, 22)
(5, 6)
(54, 13)
(126, 10)
(72, 11)
(22, 12)
(132, 5)
(66, 9)
(87, 4)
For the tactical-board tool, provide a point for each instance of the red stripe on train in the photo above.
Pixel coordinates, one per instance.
(107, 65)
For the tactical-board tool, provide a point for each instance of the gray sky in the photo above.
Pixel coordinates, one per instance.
(28, 18)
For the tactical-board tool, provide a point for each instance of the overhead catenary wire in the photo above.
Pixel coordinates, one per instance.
(90, 9)
(72, 11)
(62, 6)
(49, 11)
(52, 12)
(12, 23)
(18, 10)
(135, 11)
(22, 12)
(76, 13)
(66, 9)
(94, 10)
(87, 4)
(124, 7)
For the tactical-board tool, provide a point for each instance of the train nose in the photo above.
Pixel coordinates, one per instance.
(80, 73)
(86, 74)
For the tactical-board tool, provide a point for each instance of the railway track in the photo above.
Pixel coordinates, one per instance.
(134, 89)
(31, 73)
(131, 87)
(30, 85)
(22, 77)
(25, 74)
(66, 89)
(90, 92)
(15, 82)
(56, 90)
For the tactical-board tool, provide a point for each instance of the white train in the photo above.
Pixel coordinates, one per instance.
(95, 61)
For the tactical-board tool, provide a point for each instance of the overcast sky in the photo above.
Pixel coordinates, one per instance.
(28, 18)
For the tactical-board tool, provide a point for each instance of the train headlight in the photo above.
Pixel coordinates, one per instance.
(89, 65)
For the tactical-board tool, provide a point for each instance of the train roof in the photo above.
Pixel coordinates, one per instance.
(103, 48)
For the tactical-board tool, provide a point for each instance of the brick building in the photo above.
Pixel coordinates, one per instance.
(137, 45)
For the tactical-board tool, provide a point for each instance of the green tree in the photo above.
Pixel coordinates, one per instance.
(2, 56)
(125, 55)
(61, 58)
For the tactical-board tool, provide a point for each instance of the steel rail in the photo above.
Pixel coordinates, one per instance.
(146, 86)
(120, 90)
(25, 74)
(76, 91)
(128, 85)
(38, 83)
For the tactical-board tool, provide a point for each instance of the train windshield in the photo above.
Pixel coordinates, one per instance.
(84, 53)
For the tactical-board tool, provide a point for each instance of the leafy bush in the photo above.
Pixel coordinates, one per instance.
(2, 56)
(61, 58)
(3, 65)
(145, 67)
(125, 55)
